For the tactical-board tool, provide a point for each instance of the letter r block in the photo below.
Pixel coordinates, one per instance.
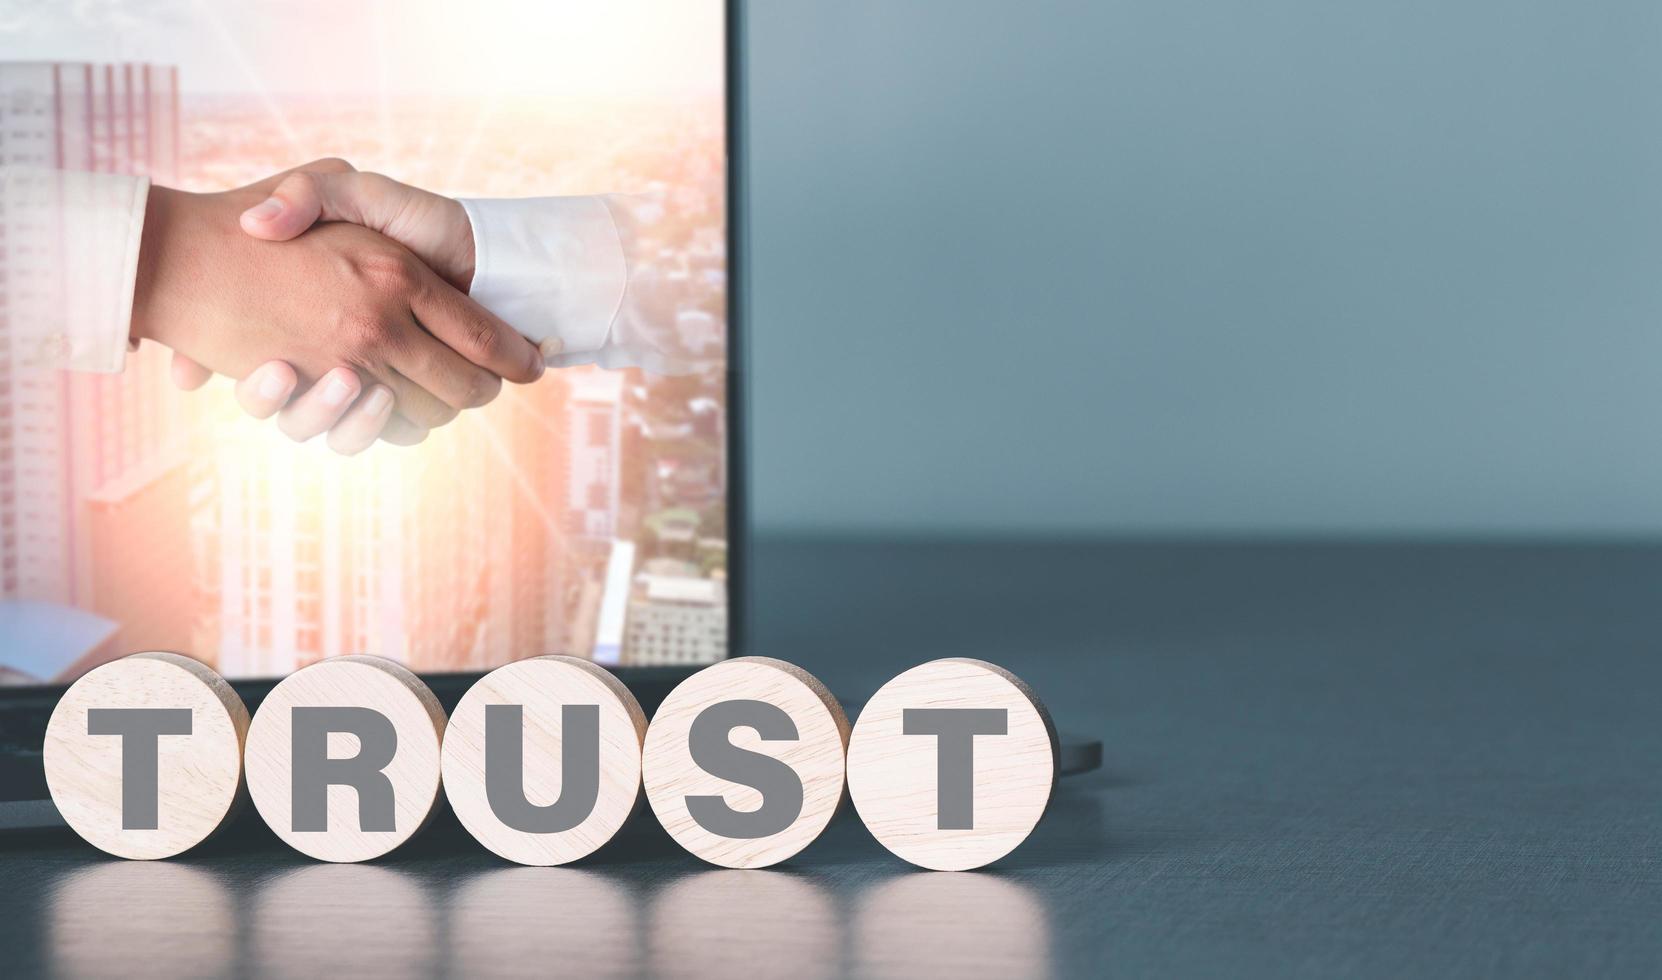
(343, 758)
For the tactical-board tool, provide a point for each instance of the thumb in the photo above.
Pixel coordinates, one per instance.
(299, 201)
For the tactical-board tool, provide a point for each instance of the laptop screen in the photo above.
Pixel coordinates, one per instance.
(583, 513)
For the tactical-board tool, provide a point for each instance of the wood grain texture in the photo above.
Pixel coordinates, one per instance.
(543, 686)
(354, 681)
(670, 774)
(894, 777)
(199, 775)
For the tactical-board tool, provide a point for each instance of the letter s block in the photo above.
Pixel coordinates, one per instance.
(343, 758)
(143, 755)
(952, 763)
(743, 762)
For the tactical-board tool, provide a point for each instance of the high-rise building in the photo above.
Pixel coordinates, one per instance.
(143, 577)
(64, 437)
(120, 119)
(430, 557)
(596, 451)
(676, 619)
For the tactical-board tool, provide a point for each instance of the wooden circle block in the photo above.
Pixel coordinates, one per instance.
(343, 757)
(744, 761)
(542, 759)
(952, 763)
(143, 755)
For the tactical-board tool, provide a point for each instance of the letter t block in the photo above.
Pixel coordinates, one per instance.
(952, 763)
(144, 754)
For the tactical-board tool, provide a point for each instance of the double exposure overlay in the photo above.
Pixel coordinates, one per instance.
(582, 514)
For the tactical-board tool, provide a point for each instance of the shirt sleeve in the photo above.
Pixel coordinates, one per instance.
(593, 280)
(69, 246)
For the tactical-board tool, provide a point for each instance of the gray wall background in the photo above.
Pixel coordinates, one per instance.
(1310, 266)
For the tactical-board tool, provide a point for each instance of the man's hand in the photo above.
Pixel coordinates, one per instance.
(353, 426)
(435, 228)
(432, 226)
(344, 297)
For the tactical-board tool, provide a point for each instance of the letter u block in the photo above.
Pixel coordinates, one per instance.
(542, 759)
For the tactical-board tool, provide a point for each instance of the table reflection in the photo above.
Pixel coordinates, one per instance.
(344, 920)
(537, 921)
(98, 917)
(754, 924)
(954, 925)
(453, 917)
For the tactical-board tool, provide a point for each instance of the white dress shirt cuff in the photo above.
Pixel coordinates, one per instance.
(552, 267)
(75, 242)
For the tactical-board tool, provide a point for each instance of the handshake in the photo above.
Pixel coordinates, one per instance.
(360, 327)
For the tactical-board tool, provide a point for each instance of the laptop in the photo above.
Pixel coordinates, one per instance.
(597, 513)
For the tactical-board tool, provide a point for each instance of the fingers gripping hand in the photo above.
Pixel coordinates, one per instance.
(338, 404)
(434, 227)
(411, 330)
(436, 230)
(353, 425)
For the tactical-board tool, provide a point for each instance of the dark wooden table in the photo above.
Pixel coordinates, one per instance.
(1322, 760)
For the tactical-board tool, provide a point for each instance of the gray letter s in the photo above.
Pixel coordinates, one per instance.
(779, 784)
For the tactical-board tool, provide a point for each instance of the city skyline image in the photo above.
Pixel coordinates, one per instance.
(582, 514)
